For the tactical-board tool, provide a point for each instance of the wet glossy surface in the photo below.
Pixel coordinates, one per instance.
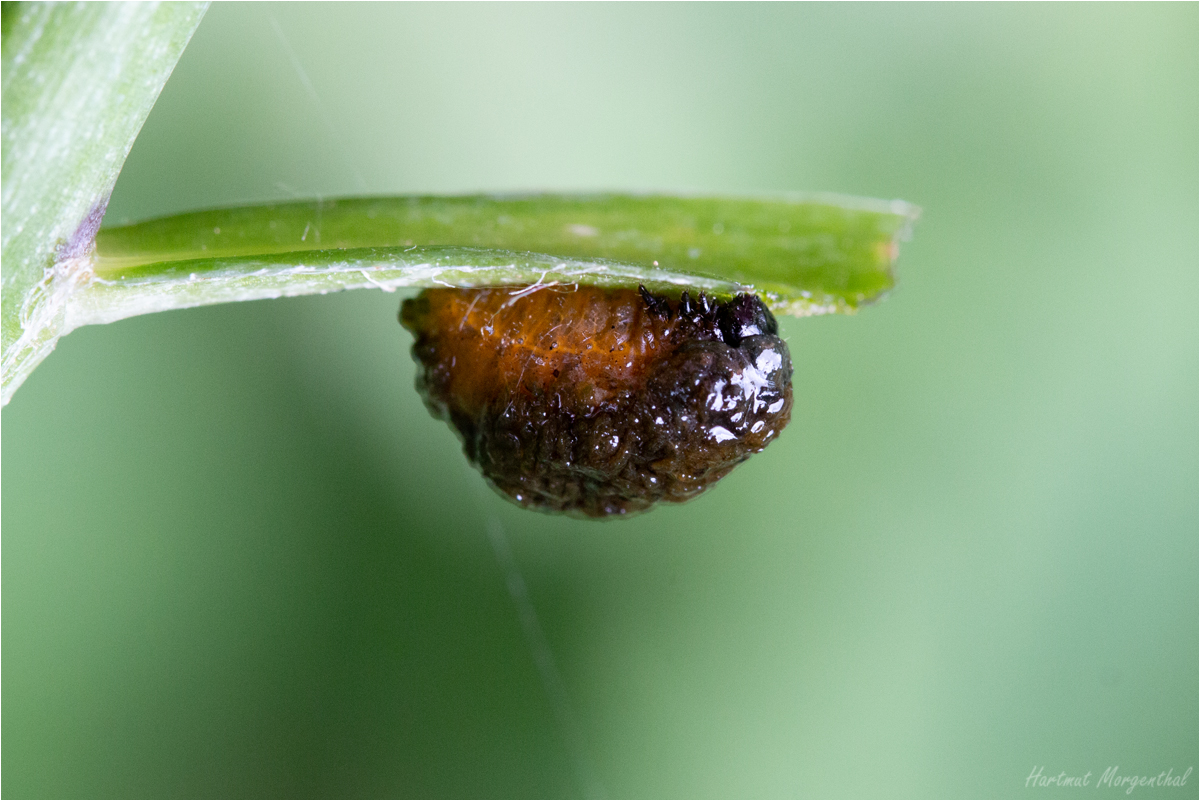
(600, 402)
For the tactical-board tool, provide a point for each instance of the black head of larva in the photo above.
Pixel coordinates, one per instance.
(745, 316)
(600, 402)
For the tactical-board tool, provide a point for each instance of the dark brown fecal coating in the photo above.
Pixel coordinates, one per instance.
(600, 402)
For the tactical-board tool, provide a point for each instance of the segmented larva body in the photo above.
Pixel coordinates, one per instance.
(599, 402)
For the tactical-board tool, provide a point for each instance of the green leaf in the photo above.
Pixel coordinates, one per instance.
(803, 254)
(77, 82)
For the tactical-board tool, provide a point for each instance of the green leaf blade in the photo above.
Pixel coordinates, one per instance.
(78, 80)
(804, 254)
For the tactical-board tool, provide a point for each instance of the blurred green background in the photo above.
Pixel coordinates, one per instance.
(239, 557)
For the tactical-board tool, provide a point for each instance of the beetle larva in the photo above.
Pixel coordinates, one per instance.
(599, 402)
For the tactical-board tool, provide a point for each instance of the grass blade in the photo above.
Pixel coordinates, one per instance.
(78, 82)
(803, 254)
